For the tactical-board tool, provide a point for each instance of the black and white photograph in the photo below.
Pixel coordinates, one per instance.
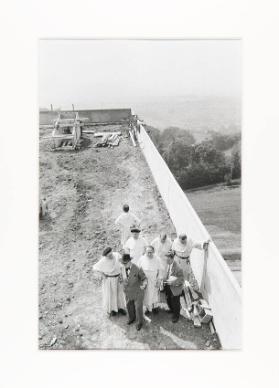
(140, 194)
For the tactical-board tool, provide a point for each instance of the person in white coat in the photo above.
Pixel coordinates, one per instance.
(135, 245)
(151, 266)
(110, 269)
(162, 245)
(182, 246)
(125, 221)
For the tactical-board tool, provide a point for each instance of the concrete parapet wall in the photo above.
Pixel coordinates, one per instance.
(94, 116)
(223, 291)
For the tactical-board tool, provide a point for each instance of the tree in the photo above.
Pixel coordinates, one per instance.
(236, 165)
(175, 134)
(224, 142)
(177, 155)
(193, 165)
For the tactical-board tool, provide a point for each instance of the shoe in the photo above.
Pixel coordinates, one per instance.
(122, 312)
(147, 312)
(113, 313)
(130, 321)
(139, 326)
(174, 319)
(155, 310)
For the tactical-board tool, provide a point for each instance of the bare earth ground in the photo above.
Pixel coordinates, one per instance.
(86, 190)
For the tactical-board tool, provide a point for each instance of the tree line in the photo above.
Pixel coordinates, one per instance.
(216, 159)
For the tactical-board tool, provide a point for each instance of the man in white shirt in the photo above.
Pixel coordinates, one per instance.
(182, 247)
(125, 221)
(162, 245)
(135, 245)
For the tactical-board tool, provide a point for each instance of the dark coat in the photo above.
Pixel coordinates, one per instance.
(177, 285)
(132, 286)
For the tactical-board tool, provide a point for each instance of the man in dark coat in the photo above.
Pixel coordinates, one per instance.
(135, 283)
(173, 286)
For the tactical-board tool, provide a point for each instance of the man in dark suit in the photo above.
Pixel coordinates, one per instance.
(173, 286)
(135, 283)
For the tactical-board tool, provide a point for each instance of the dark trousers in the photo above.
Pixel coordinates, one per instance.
(173, 301)
(135, 309)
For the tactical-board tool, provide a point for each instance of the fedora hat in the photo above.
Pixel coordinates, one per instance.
(125, 258)
(135, 229)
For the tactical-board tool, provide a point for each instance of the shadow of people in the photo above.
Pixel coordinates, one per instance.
(159, 332)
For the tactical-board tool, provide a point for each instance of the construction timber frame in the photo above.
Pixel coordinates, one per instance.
(67, 132)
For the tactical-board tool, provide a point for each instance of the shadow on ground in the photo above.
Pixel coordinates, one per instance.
(159, 332)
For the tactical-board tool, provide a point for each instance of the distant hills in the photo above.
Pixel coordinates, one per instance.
(197, 114)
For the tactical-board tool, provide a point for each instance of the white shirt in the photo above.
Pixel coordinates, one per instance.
(126, 220)
(161, 248)
(135, 247)
(108, 266)
(185, 250)
(150, 264)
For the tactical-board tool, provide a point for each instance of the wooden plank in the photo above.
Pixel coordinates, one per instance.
(187, 298)
(185, 313)
(115, 143)
(211, 327)
(196, 318)
(106, 123)
(133, 140)
(207, 317)
(65, 137)
(193, 293)
(64, 148)
(196, 321)
(204, 303)
(100, 134)
(184, 309)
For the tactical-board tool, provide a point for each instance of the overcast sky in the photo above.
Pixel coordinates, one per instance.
(107, 73)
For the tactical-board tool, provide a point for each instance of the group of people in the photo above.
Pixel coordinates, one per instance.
(145, 275)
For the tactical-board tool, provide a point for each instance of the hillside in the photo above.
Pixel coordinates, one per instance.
(219, 209)
(197, 114)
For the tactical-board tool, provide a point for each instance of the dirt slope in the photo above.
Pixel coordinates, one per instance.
(86, 190)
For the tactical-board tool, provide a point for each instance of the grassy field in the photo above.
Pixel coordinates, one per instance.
(219, 209)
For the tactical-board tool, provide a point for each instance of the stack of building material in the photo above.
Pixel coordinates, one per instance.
(103, 142)
(197, 308)
(109, 139)
(204, 310)
(114, 140)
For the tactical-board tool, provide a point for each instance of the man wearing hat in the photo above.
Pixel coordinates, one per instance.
(173, 286)
(135, 245)
(135, 282)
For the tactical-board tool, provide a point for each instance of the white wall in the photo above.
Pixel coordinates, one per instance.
(223, 291)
